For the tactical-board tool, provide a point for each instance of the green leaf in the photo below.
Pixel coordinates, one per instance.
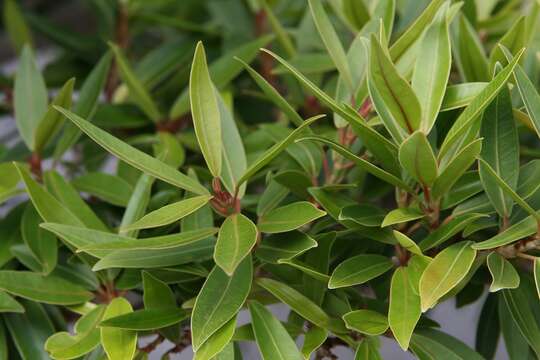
(275, 150)
(86, 103)
(284, 246)
(153, 258)
(148, 319)
(63, 345)
(16, 26)
(489, 172)
(445, 272)
(358, 270)
(313, 339)
(118, 343)
(368, 350)
(470, 57)
(217, 342)
(449, 174)
(47, 206)
(392, 96)
(537, 275)
(447, 230)
(363, 214)
(134, 157)
(530, 97)
(331, 41)
(432, 69)
(461, 131)
(460, 95)
(272, 338)
(30, 97)
(404, 309)
(137, 91)
(110, 188)
(45, 289)
(9, 304)
(366, 322)
(51, 122)
(205, 111)
(169, 213)
(237, 236)
(100, 243)
(301, 305)
(503, 273)
(517, 303)
(407, 243)
(417, 158)
(432, 344)
(220, 298)
(401, 215)
(41, 243)
(514, 40)
(289, 217)
(500, 149)
(156, 294)
(222, 71)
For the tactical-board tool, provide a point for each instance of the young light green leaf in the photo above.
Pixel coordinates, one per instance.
(45, 289)
(460, 132)
(514, 40)
(217, 342)
(517, 231)
(358, 270)
(407, 243)
(275, 150)
(237, 236)
(205, 111)
(169, 213)
(432, 69)
(392, 96)
(404, 309)
(220, 298)
(144, 320)
(289, 217)
(118, 343)
(503, 273)
(30, 97)
(16, 26)
(51, 122)
(500, 149)
(416, 156)
(272, 338)
(140, 94)
(444, 272)
(401, 215)
(134, 157)
(366, 322)
(331, 40)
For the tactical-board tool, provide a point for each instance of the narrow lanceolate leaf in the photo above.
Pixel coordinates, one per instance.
(237, 236)
(46, 289)
(358, 270)
(289, 217)
(273, 340)
(135, 157)
(444, 272)
(169, 213)
(16, 27)
(500, 149)
(392, 96)
(275, 150)
(205, 111)
(432, 69)
(118, 343)
(455, 168)
(46, 205)
(366, 322)
(52, 120)
(514, 40)
(430, 344)
(503, 273)
(470, 57)
(519, 230)
(404, 309)
(492, 174)
(220, 298)
(518, 305)
(147, 319)
(460, 95)
(530, 97)
(138, 92)
(416, 156)
(461, 132)
(217, 342)
(30, 97)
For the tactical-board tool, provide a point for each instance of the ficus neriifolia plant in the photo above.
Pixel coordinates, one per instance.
(187, 164)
